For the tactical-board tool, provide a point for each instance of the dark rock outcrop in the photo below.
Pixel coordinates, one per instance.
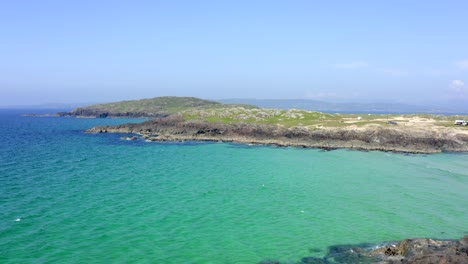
(99, 113)
(424, 251)
(408, 251)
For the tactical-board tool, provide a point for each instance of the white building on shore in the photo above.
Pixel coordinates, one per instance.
(461, 122)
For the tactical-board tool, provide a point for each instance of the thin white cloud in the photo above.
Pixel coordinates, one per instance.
(457, 86)
(352, 65)
(457, 83)
(463, 65)
(320, 95)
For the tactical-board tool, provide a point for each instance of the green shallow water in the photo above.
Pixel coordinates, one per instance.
(97, 199)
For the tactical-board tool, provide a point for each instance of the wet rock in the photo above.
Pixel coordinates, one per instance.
(391, 251)
(408, 251)
(424, 250)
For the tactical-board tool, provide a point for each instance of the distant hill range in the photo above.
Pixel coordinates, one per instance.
(357, 108)
(154, 107)
(163, 106)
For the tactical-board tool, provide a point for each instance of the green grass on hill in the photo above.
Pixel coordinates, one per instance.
(159, 105)
(288, 118)
(198, 109)
(291, 118)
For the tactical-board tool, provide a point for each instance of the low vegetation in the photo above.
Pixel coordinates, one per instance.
(155, 107)
(310, 119)
(194, 119)
(195, 109)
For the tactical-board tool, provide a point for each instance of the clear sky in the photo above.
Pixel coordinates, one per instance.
(101, 51)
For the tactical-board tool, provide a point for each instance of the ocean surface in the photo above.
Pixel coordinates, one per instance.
(71, 197)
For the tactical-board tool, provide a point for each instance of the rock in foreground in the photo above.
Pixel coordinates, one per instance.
(424, 251)
(408, 251)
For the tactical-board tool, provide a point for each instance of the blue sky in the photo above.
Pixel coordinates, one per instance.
(359, 51)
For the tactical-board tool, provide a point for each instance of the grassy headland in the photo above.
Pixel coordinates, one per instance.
(154, 107)
(197, 119)
(315, 120)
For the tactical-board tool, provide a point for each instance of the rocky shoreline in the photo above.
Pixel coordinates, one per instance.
(423, 250)
(381, 138)
(93, 113)
(408, 251)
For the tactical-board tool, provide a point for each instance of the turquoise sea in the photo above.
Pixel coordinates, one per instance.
(71, 197)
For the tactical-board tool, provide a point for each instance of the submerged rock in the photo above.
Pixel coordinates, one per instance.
(269, 262)
(312, 260)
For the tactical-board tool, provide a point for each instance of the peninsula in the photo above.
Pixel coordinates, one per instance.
(151, 108)
(186, 118)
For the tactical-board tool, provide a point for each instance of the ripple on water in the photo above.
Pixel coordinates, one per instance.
(85, 198)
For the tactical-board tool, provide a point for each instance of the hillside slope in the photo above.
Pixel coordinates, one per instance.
(154, 107)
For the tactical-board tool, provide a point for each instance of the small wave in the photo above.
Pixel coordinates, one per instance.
(381, 245)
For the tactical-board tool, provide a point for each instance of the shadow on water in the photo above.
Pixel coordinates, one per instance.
(338, 254)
